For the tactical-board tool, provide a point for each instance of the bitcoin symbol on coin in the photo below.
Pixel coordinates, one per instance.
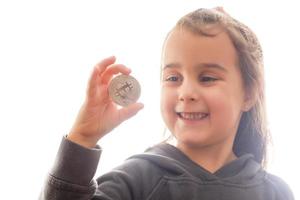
(124, 90)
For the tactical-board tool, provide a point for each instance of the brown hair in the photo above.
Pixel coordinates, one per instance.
(252, 135)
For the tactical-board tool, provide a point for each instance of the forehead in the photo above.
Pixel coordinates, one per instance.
(183, 46)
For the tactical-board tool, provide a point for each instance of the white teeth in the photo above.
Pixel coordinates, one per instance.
(192, 116)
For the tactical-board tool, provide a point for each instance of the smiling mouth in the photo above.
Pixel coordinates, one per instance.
(192, 115)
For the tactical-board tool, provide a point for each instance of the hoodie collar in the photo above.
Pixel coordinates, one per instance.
(243, 170)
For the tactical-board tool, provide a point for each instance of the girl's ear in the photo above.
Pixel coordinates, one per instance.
(250, 100)
(246, 107)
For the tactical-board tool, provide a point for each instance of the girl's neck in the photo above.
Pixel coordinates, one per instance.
(211, 158)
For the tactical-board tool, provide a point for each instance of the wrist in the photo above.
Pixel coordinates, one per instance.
(82, 140)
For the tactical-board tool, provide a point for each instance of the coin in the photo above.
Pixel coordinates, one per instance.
(124, 90)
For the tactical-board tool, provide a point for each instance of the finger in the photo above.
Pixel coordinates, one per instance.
(98, 69)
(92, 82)
(102, 65)
(98, 96)
(113, 69)
(127, 112)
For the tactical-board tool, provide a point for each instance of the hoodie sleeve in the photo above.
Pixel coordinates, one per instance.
(72, 174)
(281, 188)
(71, 178)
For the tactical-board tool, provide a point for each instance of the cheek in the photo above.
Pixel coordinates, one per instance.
(224, 108)
(167, 105)
(167, 97)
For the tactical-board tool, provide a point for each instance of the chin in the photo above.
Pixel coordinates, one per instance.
(192, 142)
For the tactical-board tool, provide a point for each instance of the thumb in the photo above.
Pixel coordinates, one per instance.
(129, 111)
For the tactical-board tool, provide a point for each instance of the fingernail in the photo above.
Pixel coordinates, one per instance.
(111, 57)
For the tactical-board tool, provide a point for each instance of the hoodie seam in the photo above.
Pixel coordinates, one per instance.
(156, 187)
(216, 182)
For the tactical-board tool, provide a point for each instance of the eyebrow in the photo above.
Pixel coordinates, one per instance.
(201, 65)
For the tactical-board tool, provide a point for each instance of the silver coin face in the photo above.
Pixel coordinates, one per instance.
(124, 90)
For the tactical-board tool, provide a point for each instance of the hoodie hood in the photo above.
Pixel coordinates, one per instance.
(242, 171)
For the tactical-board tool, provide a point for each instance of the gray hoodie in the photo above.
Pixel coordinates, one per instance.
(161, 173)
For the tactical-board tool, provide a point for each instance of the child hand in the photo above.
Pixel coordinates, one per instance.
(98, 114)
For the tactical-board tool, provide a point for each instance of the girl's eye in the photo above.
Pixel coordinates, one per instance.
(172, 78)
(207, 79)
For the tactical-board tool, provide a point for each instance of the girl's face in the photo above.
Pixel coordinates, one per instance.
(202, 90)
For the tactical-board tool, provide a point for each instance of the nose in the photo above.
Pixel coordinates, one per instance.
(188, 91)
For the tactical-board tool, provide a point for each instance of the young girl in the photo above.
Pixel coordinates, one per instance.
(212, 101)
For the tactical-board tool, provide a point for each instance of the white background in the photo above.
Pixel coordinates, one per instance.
(48, 49)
